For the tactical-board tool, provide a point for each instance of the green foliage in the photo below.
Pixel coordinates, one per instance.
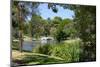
(69, 51)
(85, 24)
(26, 28)
(60, 35)
(63, 29)
(43, 49)
(40, 27)
(15, 45)
(53, 7)
(72, 32)
(85, 18)
(56, 21)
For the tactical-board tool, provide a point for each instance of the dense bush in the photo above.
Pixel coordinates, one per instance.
(43, 49)
(61, 35)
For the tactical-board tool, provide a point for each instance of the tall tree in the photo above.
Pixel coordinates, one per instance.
(85, 18)
(21, 11)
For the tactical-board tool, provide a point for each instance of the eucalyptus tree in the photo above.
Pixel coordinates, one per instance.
(40, 26)
(21, 11)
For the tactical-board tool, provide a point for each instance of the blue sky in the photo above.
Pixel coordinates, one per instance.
(48, 13)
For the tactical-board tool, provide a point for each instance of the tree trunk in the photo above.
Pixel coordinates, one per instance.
(20, 22)
(20, 41)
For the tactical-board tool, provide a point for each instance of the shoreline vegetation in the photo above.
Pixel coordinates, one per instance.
(58, 53)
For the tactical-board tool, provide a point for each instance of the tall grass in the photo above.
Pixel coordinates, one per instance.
(69, 51)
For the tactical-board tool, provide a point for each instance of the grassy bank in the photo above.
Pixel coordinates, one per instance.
(65, 52)
(27, 58)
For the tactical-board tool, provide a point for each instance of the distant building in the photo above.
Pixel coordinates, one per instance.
(46, 40)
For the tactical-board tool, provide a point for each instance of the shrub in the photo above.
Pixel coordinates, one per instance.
(15, 45)
(43, 49)
(61, 35)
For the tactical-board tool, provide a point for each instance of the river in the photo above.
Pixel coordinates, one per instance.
(29, 45)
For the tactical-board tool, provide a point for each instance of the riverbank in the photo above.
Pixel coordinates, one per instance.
(65, 52)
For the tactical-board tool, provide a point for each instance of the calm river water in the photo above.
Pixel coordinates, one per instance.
(29, 45)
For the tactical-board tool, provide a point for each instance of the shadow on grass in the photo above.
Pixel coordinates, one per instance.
(37, 59)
